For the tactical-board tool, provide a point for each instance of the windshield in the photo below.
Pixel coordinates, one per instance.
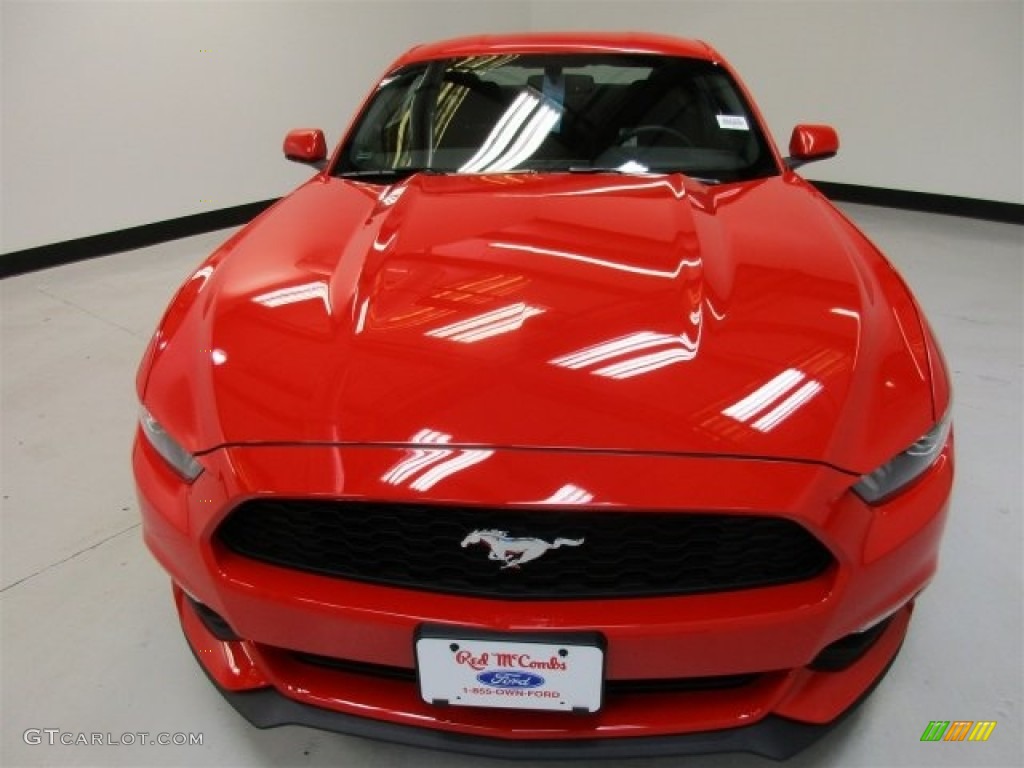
(558, 113)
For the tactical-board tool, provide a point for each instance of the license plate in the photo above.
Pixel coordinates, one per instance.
(544, 672)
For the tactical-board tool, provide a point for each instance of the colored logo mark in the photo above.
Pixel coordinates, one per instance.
(958, 730)
(510, 679)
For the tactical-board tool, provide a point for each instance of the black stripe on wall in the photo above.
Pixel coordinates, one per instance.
(55, 254)
(990, 210)
(31, 259)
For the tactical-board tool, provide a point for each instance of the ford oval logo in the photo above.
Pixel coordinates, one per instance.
(503, 678)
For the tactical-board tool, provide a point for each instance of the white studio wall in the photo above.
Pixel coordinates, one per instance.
(927, 95)
(117, 114)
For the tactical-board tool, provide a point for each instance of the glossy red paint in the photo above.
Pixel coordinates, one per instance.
(383, 290)
(305, 145)
(307, 355)
(563, 42)
(884, 560)
(813, 142)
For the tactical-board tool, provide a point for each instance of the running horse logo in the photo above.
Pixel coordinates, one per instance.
(514, 552)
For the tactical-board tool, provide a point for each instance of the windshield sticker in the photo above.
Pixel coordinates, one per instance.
(732, 122)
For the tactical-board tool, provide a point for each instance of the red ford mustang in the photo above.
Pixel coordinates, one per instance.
(555, 416)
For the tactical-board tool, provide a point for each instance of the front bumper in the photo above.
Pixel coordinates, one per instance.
(884, 557)
(773, 737)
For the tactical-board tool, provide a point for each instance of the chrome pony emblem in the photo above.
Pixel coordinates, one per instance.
(514, 552)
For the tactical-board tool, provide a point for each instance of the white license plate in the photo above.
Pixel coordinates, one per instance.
(511, 673)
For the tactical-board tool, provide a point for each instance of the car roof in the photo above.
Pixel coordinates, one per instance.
(562, 42)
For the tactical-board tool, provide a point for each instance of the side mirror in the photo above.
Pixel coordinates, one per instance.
(306, 145)
(812, 142)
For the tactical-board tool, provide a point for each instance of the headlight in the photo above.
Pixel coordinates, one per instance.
(180, 460)
(896, 474)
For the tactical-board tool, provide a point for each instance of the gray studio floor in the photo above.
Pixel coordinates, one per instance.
(90, 641)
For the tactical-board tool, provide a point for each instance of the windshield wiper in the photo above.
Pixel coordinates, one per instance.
(702, 179)
(596, 169)
(636, 171)
(390, 174)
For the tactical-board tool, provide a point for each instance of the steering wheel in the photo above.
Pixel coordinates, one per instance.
(639, 129)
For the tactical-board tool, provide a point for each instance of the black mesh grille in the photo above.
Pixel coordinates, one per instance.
(622, 554)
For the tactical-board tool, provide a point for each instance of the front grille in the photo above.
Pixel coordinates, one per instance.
(672, 685)
(620, 554)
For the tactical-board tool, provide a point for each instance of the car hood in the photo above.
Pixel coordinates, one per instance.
(597, 312)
